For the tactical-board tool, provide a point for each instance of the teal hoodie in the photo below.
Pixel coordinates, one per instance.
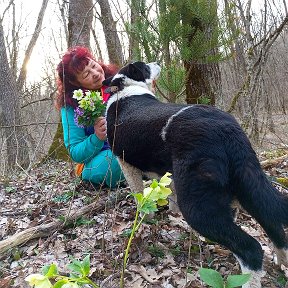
(99, 166)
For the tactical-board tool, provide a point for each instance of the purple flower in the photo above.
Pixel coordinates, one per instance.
(78, 113)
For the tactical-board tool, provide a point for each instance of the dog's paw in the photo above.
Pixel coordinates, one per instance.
(173, 206)
(282, 256)
(255, 280)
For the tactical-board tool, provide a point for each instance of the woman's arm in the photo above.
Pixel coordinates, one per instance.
(82, 148)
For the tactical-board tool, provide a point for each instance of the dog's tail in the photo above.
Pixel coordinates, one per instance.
(259, 197)
(253, 189)
(255, 192)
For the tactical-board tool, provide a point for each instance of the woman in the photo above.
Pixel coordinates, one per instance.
(79, 70)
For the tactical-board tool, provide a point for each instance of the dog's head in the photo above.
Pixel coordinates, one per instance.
(137, 73)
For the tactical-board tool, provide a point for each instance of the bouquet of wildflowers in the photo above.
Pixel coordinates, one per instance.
(90, 107)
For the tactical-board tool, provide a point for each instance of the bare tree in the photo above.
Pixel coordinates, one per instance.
(257, 51)
(15, 135)
(23, 71)
(114, 46)
(16, 147)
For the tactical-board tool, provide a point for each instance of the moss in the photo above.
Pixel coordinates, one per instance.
(283, 181)
(57, 149)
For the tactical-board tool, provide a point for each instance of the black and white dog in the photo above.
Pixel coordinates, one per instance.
(210, 158)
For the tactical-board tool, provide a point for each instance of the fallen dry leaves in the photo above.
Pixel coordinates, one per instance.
(165, 252)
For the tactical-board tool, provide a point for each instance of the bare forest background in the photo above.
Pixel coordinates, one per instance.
(232, 54)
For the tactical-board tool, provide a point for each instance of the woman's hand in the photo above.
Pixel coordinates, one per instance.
(100, 128)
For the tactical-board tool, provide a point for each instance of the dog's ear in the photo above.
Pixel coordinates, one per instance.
(136, 71)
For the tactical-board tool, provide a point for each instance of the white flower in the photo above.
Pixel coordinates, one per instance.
(38, 281)
(78, 94)
(88, 94)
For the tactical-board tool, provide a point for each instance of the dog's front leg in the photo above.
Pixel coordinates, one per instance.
(133, 176)
(255, 278)
(173, 206)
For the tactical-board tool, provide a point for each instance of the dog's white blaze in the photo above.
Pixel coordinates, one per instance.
(127, 92)
(255, 279)
(164, 129)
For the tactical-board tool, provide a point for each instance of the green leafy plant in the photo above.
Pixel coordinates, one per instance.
(176, 250)
(63, 198)
(215, 280)
(204, 100)
(156, 251)
(78, 222)
(9, 189)
(78, 276)
(156, 194)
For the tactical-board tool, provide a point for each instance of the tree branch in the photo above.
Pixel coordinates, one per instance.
(45, 230)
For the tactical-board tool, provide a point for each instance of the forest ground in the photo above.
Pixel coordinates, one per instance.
(164, 253)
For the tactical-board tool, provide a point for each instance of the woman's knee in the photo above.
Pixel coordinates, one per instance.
(103, 170)
(115, 174)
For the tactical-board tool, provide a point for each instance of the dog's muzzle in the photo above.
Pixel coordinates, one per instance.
(155, 70)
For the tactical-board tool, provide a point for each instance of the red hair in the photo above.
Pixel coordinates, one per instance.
(73, 62)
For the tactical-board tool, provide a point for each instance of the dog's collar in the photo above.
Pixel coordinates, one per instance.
(111, 89)
(106, 92)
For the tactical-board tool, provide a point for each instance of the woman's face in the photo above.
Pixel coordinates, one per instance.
(91, 77)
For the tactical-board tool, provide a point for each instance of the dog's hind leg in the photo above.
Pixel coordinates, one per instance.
(266, 204)
(205, 202)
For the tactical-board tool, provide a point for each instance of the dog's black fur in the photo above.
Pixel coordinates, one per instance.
(210, 158)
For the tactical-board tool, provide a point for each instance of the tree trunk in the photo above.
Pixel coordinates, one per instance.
(134, 47)
(114, 46)
(203, 81)
(57, 149)
(198, 82)
(79, 22)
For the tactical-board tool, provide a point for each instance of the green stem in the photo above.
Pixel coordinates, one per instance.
(69, 279)
(140, 222)
(91, 282)
(134, 229)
